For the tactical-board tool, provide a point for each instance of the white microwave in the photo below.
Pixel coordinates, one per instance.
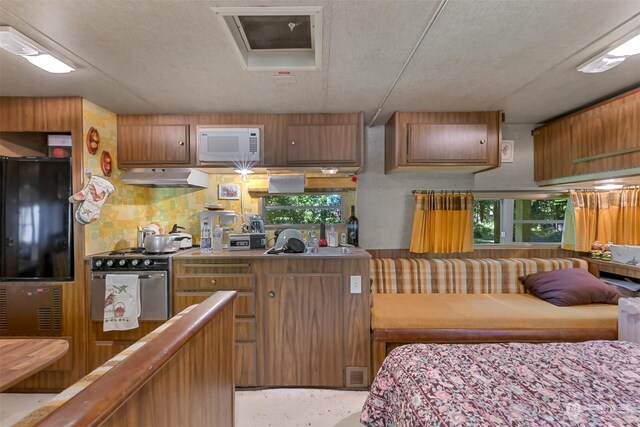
(229, 144)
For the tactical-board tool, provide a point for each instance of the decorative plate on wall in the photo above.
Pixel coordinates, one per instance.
(93, 140)
(105, 163)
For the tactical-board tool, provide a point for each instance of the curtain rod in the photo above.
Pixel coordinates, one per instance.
(543, 191)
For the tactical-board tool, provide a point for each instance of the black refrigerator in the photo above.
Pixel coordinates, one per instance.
(36, 225)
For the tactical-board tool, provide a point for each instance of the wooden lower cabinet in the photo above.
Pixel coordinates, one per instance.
(303, 329)
(296, 321)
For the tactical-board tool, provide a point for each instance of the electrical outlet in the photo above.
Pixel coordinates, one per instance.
(356, 284)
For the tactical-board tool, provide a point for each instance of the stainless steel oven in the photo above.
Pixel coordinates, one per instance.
(154, 273)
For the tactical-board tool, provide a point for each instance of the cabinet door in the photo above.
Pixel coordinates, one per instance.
(303, 324)
(609, 130)
(153, 144)
(446, 143)
(326, 144)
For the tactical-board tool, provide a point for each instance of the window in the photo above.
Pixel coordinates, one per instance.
(516, 221)
(299, 209)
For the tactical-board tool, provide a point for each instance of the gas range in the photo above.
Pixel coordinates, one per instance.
(131, 259)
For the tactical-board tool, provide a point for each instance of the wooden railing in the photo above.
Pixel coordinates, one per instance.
(183, 376)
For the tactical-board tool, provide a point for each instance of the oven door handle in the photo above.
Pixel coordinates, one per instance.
(140, 276)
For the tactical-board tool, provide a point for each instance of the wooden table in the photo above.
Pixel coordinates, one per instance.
(21, 358)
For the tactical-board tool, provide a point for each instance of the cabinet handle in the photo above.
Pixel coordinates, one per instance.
(293, 143)
(271, 294)
(213, 282)
(181, 143)
(482, 141)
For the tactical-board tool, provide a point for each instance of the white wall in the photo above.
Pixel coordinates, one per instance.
(385, 204)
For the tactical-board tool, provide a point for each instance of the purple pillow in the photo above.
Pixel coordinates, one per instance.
(569, 286)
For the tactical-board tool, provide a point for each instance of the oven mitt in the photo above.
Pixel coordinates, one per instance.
(92, 197)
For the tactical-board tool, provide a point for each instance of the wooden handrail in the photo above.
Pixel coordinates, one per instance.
(102, 398)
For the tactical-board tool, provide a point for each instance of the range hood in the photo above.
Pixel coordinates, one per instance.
(169, 177)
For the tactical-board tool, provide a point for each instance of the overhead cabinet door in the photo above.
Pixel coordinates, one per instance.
(446, 143)
(610, 130)
(153, 144)
(325, 144)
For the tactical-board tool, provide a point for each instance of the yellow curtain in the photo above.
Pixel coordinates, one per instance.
(442, 223)
(627, 213)
(612, 216)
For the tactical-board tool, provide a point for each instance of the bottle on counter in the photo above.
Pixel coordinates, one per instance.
(352, 228)
(332, 237)
(217, 239)
(205, 238)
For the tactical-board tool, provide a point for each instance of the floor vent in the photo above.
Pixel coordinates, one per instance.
(356, 377)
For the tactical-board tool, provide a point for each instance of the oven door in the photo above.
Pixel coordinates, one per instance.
(154, 295)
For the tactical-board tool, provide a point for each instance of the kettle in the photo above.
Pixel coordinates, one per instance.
(142, 233)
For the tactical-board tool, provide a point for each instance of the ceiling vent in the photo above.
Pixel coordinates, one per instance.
(282, 38)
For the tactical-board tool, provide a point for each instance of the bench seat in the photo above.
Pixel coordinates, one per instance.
(486, 311)
(474, 301)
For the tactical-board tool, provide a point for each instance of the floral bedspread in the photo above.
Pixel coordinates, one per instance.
(595, 383)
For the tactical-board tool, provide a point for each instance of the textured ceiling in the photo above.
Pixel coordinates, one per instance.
(176, 57)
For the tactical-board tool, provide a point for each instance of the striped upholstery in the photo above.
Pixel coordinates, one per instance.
(460, 276)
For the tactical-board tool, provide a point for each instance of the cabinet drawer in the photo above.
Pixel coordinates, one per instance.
(245, 364)
(245, 329)
(195, 267)
(216, 282)
(245, 303)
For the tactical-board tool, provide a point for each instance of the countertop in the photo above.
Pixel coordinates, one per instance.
(333, 253)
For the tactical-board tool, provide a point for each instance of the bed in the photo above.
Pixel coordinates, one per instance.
(555, 384)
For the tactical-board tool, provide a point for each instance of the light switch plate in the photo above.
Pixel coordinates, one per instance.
(356, 284)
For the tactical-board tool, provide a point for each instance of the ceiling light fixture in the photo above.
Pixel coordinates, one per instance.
(608, 187)
(17, 43)
(615, 55)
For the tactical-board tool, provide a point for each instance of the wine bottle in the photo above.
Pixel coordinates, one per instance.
(352, 228)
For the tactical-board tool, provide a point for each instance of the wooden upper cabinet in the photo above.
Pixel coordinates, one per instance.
(153, 144)
(322, 144)
(599, 142)
(428, 143)
(609, 130)
(469, 140)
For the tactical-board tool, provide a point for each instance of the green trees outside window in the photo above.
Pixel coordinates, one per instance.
(301, 209)
(515, 221)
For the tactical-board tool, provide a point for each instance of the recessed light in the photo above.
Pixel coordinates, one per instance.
(608, 187)
(243, 172)
(329, 171)
(17, 43)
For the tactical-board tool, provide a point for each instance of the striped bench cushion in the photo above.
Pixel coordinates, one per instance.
(460, 276)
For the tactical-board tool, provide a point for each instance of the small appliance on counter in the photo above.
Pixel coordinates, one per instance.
(187, 239)
(244, 241)
(255, 225)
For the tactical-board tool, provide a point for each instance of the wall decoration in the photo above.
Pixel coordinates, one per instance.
(506, 151)
(106, 163)
(93, 140)
(229, 191)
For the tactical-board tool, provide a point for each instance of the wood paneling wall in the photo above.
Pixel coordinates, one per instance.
(23, 114)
